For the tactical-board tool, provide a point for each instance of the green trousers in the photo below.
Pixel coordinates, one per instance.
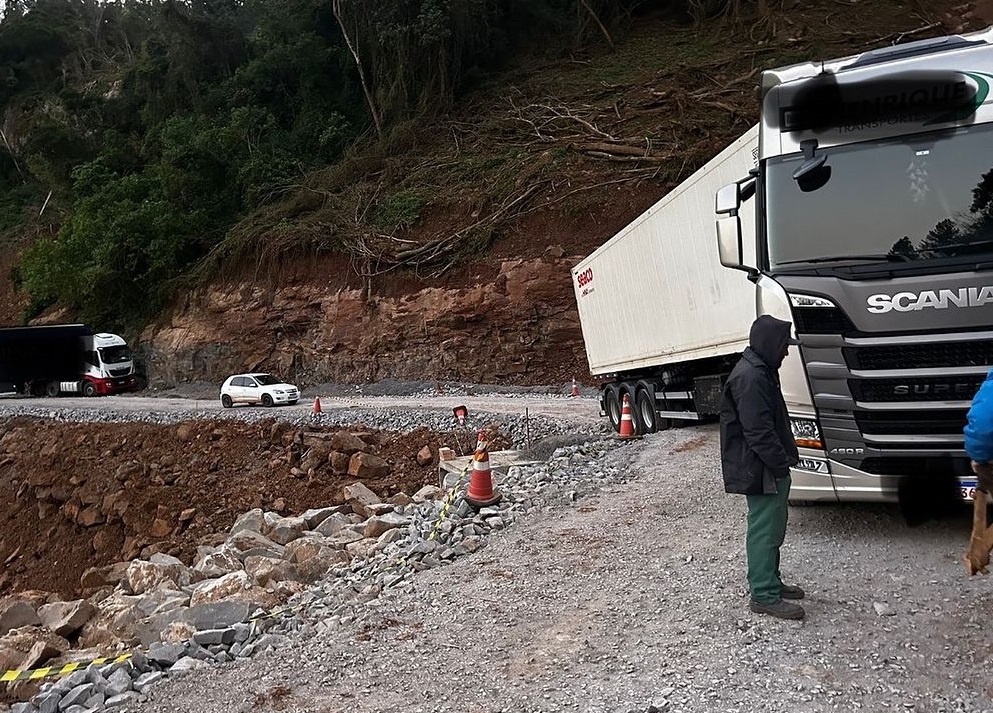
(767, 515)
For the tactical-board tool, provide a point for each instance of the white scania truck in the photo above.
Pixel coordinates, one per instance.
(870, 227)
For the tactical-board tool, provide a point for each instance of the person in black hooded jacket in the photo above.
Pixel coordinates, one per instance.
(757, 450)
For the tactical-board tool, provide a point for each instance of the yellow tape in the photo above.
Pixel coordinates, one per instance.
(443, 514)
(47, 671)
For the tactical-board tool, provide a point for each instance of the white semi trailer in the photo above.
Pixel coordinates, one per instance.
(663, 322)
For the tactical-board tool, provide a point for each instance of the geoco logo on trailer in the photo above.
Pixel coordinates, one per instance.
(930, 299)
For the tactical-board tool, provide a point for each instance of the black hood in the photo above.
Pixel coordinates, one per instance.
(768, 339)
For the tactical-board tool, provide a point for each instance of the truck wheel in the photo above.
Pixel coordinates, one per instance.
(226, 401)
(612, 405)
(266, 400)
(51, 389)
(648, 416)
(89, 389)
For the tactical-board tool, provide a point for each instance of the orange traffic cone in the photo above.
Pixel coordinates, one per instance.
(481, 491)
(575, 388)
(627, 423)
(317, 404)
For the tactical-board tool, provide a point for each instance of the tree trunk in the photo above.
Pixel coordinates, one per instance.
(338, 15)
(596, 19)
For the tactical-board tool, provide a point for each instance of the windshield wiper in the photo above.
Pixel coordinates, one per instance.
(891, 257)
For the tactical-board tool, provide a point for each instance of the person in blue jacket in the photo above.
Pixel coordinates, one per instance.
(979, 434)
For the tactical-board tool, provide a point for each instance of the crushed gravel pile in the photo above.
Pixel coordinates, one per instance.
(615, 582)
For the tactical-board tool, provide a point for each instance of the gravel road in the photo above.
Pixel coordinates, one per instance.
(582, 411)
(631, 597)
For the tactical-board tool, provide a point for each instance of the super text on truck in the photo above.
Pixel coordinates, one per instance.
(868, 223)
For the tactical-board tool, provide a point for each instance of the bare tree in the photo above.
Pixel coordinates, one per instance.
(336, 8)
(596, 19)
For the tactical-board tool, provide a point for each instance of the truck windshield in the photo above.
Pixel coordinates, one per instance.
(916, 201)
(114, 355)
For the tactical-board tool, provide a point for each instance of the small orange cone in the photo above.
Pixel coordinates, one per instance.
(317, 404)
(481, 491)
(575, 388)
(627, 423)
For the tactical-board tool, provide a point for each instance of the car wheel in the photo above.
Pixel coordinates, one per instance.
(89, 389)
(226, 401)
(266, 400)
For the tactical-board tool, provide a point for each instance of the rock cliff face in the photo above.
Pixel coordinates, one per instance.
(518, 326)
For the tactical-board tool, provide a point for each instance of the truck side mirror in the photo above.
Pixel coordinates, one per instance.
(728, 200)
(729, 242)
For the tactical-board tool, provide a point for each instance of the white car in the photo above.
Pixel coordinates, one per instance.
(262, 389)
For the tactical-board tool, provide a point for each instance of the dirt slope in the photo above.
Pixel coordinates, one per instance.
(76, 496)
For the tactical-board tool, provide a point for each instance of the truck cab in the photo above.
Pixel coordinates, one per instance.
(873, 235)
(108, 366)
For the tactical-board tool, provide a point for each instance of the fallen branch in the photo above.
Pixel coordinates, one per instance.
(613, 149)
(627, 159)
(897, 37)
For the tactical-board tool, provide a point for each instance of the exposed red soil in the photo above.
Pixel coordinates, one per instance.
(75, 496)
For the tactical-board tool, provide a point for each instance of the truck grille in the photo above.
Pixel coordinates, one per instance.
(922, 465)
(940, 388)
(921, 356)
(911, 423)
(120, 372)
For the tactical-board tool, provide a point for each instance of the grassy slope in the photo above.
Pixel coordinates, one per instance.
(554, 152)
(561, 152)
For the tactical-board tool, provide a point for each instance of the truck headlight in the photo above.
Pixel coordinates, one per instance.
(806, 433)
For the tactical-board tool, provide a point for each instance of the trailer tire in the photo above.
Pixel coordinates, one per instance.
(648, 415)
(89, 389)
(52, 389)
(612, 405)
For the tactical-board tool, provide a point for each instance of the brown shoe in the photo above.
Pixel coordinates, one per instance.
(779, 609)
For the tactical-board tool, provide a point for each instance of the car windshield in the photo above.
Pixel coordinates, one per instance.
(905, 202)
(115, 355)
(266, 379)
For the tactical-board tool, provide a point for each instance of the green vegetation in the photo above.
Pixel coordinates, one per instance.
(171, 139)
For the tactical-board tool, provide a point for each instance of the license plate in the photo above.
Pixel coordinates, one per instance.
(968, 489)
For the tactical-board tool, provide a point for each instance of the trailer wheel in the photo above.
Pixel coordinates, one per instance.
(648, 416)
(612, 405)
(51, 389)
(89, 389)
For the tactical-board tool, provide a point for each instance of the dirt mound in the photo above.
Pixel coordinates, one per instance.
(76, 496)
